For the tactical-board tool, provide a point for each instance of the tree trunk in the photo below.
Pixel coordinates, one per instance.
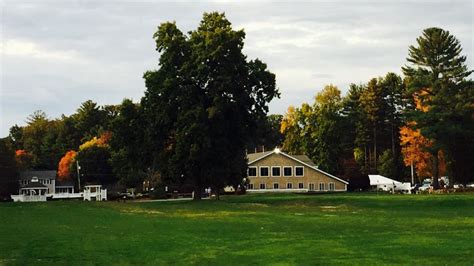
(393, 141)
(375, 148)
(365, 157)
(197, 192)
(435, 170)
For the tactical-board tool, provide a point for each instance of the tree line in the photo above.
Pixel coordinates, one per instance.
(390, 123)
(206, 107)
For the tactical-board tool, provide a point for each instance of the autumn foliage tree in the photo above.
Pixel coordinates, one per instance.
(414, 150)
(24, 159)
(64, 168)
(94, 158)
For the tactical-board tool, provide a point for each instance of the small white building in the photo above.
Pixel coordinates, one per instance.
(386, 184)
(94, 193)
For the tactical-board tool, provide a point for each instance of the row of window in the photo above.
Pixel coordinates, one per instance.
(42, 181)
(276, 171)
(322, 186)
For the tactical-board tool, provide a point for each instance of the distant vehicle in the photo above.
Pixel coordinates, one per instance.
(415, 188)
(470, 185)
(424, 187)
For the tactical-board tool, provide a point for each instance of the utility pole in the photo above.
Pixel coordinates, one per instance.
(78, 167)
(412, 174)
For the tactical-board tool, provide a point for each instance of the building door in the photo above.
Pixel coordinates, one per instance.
(311, 187)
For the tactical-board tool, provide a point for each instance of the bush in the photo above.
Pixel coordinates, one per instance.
(158, 193)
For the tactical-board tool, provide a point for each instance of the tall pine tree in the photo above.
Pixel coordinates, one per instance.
(437, 75)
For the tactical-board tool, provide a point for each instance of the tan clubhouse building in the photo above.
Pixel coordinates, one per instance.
(276, 171)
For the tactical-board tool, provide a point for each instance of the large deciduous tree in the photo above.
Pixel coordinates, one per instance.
(317, 130)
(8, 170)
(328, 132)
(438, 76)
(94, 159)
(293, 128)
(203, 102)
(128, 152)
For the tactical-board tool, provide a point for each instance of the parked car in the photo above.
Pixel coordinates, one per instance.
(470, 185)
(424, 187)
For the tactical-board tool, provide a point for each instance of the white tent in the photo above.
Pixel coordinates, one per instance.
(387, 184)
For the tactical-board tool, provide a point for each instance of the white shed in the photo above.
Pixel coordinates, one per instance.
(386, 184)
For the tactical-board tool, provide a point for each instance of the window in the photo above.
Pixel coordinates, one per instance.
(311, 187)
(299, 170)
(262, 186)
(276, 186)
(276, 171)
(289, 185)
(331, 186)
(250, 186)
(321, 186)
(300, 185)
(252, 171)
(287, 171)
(263, 170)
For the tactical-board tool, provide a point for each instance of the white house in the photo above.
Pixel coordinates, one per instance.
(43, 185)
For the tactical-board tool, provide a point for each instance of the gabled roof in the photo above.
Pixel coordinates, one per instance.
(65, 183)
(382, 180)
(34, 185)
(251, 157)
(303, 159)
(48, 174)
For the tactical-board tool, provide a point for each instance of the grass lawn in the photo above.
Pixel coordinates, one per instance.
(281, 229)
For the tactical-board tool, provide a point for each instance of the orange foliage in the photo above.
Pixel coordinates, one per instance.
(23, 159)
(414, 150)
(419, 101)
(20, 153)
(65, 165)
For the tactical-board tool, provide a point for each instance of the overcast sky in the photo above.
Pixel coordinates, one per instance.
(57, 54)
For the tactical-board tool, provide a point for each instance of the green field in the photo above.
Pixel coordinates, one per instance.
(253, 229)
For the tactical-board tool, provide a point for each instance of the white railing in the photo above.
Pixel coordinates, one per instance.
(28, 198)
(67, 195)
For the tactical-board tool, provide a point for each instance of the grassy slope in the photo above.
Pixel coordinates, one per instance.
(252, 229)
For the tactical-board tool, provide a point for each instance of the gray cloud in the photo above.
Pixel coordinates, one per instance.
(57, 54)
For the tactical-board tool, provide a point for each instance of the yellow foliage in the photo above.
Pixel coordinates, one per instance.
(100, 142)
(419, 100)
(289, 119)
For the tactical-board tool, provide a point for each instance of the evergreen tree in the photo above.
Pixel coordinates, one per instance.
(437, 76)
